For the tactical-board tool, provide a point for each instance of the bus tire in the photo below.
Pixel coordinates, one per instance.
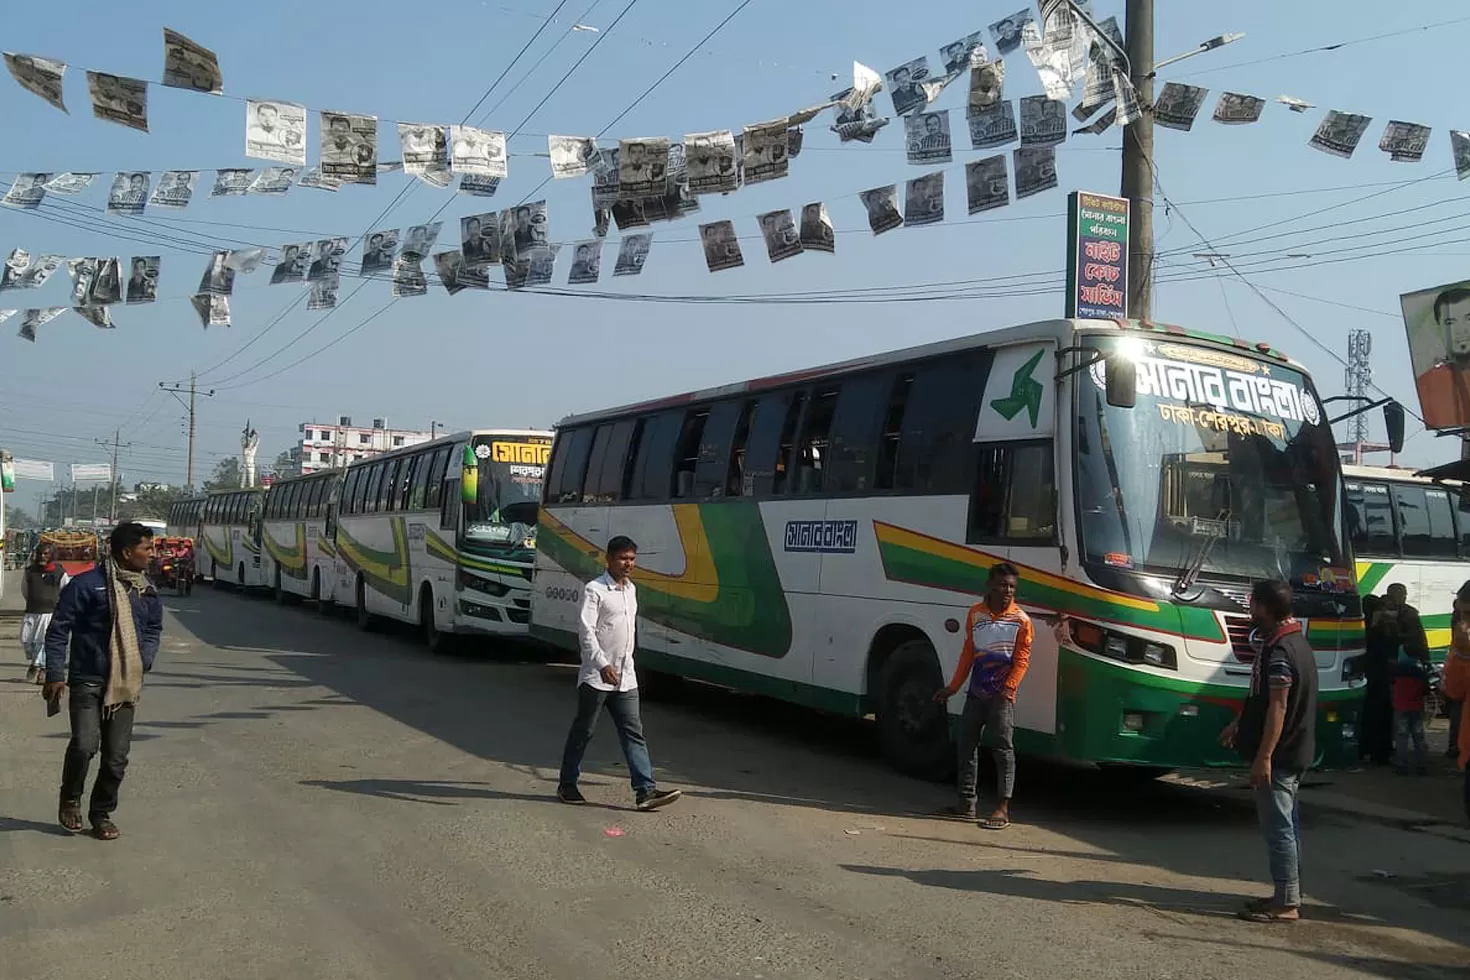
(364, 618)
(438, 643)
(913, 731)
(214, 574)
(278, 593)
(322, 606)
(240, 582)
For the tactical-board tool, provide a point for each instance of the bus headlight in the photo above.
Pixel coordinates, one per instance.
(1122, 647)
(478, 583)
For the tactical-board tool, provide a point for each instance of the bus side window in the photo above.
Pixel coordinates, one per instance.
(889, 435)
(654, 459)
(736, 477)
(786, 445)
(714, 450)
(569, 466)
(686, 452)
(939, 424)
(434, 491)
(609, 459)
(855, 434)
(1014, 495)
(814, 452)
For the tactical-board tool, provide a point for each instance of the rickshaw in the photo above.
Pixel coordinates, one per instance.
(173, 564)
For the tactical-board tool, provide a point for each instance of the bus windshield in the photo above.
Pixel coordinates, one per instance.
(511, 472)
(1224, 468)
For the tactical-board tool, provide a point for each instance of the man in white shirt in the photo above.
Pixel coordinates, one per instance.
(606, 635)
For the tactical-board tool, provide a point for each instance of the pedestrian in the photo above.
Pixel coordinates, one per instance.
(996, 653)
(1457, 681)
(1382, 646)
(110, 620)
(1275, 734)
(1410, 686)
(607, 637)
(41, 589)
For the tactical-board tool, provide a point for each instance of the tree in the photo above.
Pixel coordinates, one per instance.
(287, 464)
(226, 475)
(152, 502)
(17, 518)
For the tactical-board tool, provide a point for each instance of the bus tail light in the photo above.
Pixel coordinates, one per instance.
(1122, 647)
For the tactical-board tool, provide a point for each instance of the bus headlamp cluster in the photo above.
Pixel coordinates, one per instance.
(478, 583)
(1122, 647)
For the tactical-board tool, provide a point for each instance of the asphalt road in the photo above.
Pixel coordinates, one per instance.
(306, 801)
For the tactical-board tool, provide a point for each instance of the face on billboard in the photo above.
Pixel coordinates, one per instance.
(1438, 324)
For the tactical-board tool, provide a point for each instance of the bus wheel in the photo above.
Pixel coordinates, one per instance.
(278, 593)
(214, 575)
(322, 607)
(913, 730)
(436, 641)
(240, 582)
(364, 618)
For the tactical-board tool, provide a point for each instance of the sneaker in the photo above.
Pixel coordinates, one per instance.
(571, 795)
(656, 798)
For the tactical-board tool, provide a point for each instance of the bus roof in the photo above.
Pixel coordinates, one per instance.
(1059, 330)
(1399, 474)
(450, 440)
(315, 474)
(221, 493)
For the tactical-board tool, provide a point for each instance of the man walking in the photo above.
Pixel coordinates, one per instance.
(41, 589)
(606, 637)
(995, 656)
(1275, 732)
(112, 620)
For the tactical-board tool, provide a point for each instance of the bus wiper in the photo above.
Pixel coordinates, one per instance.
(1190, 570)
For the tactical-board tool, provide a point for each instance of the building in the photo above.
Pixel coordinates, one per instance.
(326, 446)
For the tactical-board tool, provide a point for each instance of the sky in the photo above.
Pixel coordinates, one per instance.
(1372, 228)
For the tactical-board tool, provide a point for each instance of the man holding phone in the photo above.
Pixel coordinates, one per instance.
(110, 620)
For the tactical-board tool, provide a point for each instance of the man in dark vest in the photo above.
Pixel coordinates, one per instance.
(1276, 734)
(41, 588)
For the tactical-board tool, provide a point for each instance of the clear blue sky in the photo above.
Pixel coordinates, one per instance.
(482, 359)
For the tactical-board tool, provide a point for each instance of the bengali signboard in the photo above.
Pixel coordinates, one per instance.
(89, 472)
(1097, 256)
(34, 469)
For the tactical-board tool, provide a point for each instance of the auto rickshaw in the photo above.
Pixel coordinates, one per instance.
(173, 564)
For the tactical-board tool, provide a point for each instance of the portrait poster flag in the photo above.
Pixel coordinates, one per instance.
(480, 152)
(479, 239)
(987, 85)
(859, 122)
(70, 183)
(1404, 142)
(987, 185)
(33, 320)
(316, 180)
(642, 167)
(1036, 169)
(632, 254)
(218, 278)
(1235, 109)
(119, 100)
(408, 278)
(1097, 256)
(326, 260)
(41, 270)
(882, 207)
(571, 156)
(924, 200)
(817, 233)
(16, 264)
(905, 88)
(1438, 325)
(927, 137)
(710, 159)
(783, 240)
(966, 52)
(425, 149)
(1339, 133)
(107, 284)
(322, 294)
(275, 131)
(1460, 149)
(418, 240)
(292, 265)
(143, 279)
(542, 265)
(98, 316)
(586, 262)
(1011, 32)
(27, 191)
(187, 64)
(274, 180)
(766, 151)
(1178, 105)
(379, 250)
(1043, 121)
(214, 311)
(349, 147)
(232, 182)
(993, 126)
(449, 265)
(39, 76)
(721, 246)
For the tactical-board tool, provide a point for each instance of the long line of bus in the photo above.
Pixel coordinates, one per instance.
(818, 536)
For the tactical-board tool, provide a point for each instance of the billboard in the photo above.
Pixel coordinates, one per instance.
(87, 472)
(1097, 256)
(34, 469)
(1438, 324)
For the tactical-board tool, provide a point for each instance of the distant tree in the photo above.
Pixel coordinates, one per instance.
(151, 502)
(287, 464)
(226, 475)
(17, 517)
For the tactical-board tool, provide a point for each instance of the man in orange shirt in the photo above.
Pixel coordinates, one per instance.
(1444, 390)
(1457, 679)
(997, 650)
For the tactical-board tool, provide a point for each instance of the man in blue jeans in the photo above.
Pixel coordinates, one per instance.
(606, 635)
(1275, 732)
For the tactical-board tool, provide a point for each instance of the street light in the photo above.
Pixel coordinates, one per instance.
(434, 427)
(1218, 41)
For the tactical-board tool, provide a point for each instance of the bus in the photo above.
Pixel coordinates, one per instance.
(1413, 531)
(818, 536)
(229, 533)
(442, 535)
(184, 518)
(300, 557)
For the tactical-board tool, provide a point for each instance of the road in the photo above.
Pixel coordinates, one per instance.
(306, 801)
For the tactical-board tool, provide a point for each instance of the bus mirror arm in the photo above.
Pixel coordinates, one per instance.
(1121, 377)
(1393, 416)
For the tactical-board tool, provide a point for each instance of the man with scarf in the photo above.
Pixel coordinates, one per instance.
(1275, 733)
(112, 619)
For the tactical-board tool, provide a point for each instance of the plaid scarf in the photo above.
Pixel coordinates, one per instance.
(125, 674)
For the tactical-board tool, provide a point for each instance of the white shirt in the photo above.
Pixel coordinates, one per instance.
(606, 633)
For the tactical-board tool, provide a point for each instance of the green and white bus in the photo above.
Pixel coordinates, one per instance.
(1413, 531)
(185, 517)
(442, 535)
(818, 536)
(297, 532)
(229, 535)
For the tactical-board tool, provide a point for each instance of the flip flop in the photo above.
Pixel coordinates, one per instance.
(70, 816)
(105, 829)
(1269, 915)
(995, 823)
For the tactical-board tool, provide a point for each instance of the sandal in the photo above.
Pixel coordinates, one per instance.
(1270, 914)
(105, 829)
(70, 816)
(995, 823)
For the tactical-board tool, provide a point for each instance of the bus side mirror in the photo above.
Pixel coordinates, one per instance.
(1393, 421)
(1122, 382)
(469, 477)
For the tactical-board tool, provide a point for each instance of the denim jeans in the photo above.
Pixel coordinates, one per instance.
(1279, 812)
(996, 714)
(90, 733)
(1409, 726)
(623, 706)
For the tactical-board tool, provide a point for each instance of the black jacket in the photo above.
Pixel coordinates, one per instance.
(84, 617)
(1290, 657)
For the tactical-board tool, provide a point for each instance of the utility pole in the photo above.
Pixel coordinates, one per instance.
(116, 435)
(174, 388)
(1138, 155)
